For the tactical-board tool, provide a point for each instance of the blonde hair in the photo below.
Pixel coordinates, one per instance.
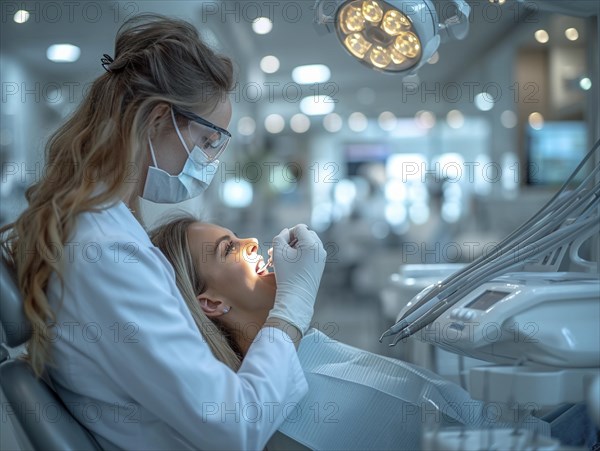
(171, 238)
(157, 60)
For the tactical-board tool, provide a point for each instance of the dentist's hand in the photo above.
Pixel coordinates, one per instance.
(298, 272)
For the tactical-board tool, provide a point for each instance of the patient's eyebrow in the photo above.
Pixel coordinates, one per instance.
(223, 238)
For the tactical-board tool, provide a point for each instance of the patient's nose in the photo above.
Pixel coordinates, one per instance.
(250, 246)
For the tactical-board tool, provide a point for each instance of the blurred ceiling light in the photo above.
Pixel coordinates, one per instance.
(311, 73)
(332, 122)
(572, 34)
(317, 105)
(407, 166)
(451, 211)
(508, 119)
(321, 215)
(262, 25)
(425, 119)
(63, 53)
(536, 121)
(395, 190)
(455, 119)
(449, 165)
(452, 191)
(585, 84)
(498, 2)
(357, 122)
(395, 213)
(387, 121)
(21, 16)
(396, 36)
(269, 64)
(300, 123)
(435, 58)
(344, 192)
(274, 123)
(484, 101)
(417, 192)
(246, 126)
(419, 213)
(541, 36)
(237, 193)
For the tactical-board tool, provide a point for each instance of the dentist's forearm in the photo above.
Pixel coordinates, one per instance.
(292, 331)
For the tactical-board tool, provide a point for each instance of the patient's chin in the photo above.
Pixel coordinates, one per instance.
(271, 287)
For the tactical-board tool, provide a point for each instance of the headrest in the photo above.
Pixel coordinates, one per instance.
(15, 325)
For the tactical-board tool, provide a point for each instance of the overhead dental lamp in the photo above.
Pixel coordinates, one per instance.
(393, 36)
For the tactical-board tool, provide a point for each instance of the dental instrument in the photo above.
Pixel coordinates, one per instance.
(562, 219)
(551, 241)
(513, 238)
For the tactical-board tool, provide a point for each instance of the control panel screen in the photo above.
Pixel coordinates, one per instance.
(485, 300)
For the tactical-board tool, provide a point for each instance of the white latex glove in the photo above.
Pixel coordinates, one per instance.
(298, 272)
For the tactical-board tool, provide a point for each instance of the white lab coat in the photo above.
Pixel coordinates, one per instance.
(130, 363)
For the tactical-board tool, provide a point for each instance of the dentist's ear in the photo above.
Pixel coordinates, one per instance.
(159, 114)
(212, 308)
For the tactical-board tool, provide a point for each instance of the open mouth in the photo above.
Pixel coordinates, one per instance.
(261, 269)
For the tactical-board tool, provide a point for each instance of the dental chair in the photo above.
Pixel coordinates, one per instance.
(40, 419)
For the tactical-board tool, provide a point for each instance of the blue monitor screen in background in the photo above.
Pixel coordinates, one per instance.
(555, 151)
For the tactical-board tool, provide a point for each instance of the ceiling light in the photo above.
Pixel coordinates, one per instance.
(387, 121)
(572, 34)
(541, 36)
(357, 122)
(63, 53)
(269, 64)
(455, 119)
(425, 119)
(317, 105)
(21, 16)
(262, 25)
(498, 2)
(237, 193)
(484, 101)
(274, 123)
(395, 213)
(332, 122)
(396, 36)
(246, 126)
(312, 73)
(508, 119)
(536, 121)
(300, 123)
(585, 84)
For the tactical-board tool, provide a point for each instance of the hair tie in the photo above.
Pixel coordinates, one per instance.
(106, 61)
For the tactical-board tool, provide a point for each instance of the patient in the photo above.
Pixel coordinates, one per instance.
(356, 399)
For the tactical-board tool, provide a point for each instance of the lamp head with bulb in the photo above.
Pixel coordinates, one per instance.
(393, 36)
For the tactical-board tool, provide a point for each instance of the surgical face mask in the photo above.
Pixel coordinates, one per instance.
(192, 181)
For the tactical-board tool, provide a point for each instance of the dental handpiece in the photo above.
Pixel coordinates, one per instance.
(407, 328)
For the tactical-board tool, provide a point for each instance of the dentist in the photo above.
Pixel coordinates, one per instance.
(110, 326)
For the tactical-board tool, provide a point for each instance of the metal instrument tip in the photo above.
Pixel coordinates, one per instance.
(401, 335)
(385, 334)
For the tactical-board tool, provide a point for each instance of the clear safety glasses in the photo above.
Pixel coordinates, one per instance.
(210, 138)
